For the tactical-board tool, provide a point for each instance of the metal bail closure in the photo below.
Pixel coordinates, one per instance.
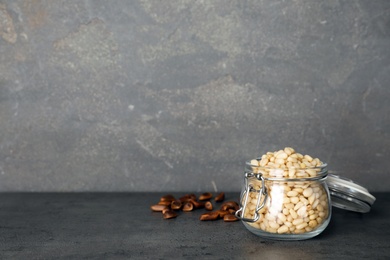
(249, 188)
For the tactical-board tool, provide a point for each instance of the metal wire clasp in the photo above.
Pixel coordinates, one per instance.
(249, 188)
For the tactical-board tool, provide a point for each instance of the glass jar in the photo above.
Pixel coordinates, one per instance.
(276, 206)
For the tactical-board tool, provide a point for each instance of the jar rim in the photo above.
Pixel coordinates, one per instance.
(323, 172)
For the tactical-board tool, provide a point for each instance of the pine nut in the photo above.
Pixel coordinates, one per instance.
(289, 150)
(298, 205)
(308, 164)
(255, 162)
(230, 218)
(269, 217)
(303, 200)
(208, 205)
(301, 226)
(209, 216)
(271, 230)
(302, 212)
(222, 213)
(288, 224)
(312, 198)
(187, 197)
(292, 159)
(252, 207)
(298, 189)
(283, 229)
(308, 158)
(297, 165)
(312, 223)
(197, 204)
(315, 203)
(308, 192)
(302, 174)
(281, 155)
(168, 197)
(297, 221)
(230, 205)
(164, 202)
(311, 172)
(308, 229)
(263, 226)
(176, 204)
(273, 225)
(299, 231)
(293, 214)
(220, 197)
(282, 217)
(294, 200)
(279, 161)
(169, 214)
(158, 208)
(205, 196)
(292, 193)
(188, 206)
(165, 210)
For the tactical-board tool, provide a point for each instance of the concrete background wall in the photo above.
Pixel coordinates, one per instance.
(152, 95)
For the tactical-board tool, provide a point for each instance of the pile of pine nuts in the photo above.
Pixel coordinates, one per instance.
(286, 163)
(292, 207)
(170, 207)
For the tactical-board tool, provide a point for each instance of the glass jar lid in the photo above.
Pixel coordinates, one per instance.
(349, 195)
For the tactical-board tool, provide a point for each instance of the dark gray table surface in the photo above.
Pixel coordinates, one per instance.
(122, 226)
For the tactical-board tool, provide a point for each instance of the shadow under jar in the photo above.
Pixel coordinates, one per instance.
(276, 206)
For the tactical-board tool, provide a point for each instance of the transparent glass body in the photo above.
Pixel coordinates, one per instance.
(276, 206)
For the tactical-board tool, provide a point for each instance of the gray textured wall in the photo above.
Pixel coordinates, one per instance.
(176, 95)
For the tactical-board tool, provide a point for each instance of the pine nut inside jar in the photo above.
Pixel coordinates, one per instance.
(285, 196)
